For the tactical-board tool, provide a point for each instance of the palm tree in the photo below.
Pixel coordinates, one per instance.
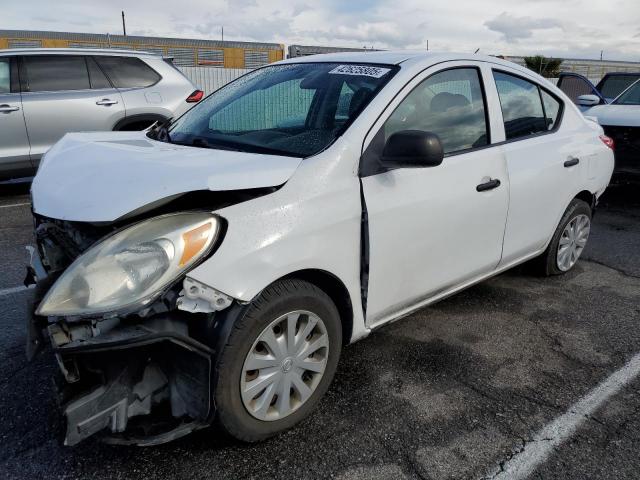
(547, 67)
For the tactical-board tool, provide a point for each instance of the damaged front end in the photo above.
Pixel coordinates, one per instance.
(135, 339)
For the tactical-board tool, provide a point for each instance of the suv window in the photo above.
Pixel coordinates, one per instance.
(449, 104)
(50, 73)
(5, 78)
(97, 78)
(521, 104)
(128, 72)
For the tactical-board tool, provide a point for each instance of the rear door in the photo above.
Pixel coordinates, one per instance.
(65, 93)
(14, 143)
(543, 161)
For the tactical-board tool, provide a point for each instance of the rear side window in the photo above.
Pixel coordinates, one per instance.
(96, 77)
(5, 77)
(128, 72)
(552, 108)
(449, 104)
(521, 104)
(51, 73)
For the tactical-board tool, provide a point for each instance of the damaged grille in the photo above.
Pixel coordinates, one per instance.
(627, 147)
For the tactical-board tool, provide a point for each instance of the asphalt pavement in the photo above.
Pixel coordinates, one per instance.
(458, 390)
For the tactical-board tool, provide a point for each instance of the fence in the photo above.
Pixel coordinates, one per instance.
(210, 79)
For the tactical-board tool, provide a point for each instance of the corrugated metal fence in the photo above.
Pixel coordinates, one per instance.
(210, 79)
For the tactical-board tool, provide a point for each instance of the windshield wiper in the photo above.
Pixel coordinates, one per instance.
(160, 131)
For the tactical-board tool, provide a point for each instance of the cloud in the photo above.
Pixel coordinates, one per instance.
(569, 28)
(516, 28)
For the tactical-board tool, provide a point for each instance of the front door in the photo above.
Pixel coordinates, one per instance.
(14, 143)
(431, 229)
(66, 93)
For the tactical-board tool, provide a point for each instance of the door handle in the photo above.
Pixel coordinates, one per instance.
(571, 162)
(106, 102)
(490, 185)
(8, 108)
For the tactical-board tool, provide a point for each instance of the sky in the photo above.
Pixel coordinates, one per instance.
(564, 28)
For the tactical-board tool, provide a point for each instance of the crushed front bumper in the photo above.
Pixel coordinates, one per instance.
(145, 384)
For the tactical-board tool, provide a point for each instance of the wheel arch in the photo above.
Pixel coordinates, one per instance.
(337, 291)
(588, 197)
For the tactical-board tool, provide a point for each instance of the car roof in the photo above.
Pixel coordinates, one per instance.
(67, 51)
(397, 57)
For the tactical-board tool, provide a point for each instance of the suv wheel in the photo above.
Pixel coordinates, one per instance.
(279, 360)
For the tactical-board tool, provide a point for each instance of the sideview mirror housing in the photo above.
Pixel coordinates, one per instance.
(412, 149)
(588, 100)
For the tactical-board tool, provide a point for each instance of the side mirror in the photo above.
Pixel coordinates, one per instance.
(588, 100)
(412, 149)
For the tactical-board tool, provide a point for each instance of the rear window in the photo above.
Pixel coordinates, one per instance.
(51, 73)
(128, 72)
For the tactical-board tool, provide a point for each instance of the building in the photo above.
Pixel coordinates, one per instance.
(185, 52)
(589, 68)
(304, 50)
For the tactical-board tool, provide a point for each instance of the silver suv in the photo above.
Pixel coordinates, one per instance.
(45, 93)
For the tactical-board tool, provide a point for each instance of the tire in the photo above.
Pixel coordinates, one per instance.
(548, 263)
(238, 414)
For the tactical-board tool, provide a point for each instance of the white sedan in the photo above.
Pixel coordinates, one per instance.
(210, 271)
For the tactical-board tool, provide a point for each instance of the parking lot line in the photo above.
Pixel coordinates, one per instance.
(537, 450)
(9, 291)
(15, 205)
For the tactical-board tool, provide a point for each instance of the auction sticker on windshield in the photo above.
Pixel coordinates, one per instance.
(365, 70)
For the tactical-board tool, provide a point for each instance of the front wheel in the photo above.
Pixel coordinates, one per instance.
(568, 241)
(279, 360)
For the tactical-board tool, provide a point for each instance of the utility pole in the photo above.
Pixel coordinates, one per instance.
(601, 52)
(427, 44)
(124, 26)
(223, 33)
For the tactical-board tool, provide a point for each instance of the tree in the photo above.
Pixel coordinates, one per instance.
(547, 67)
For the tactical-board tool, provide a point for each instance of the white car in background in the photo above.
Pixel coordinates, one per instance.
(619, 116)
(210, 271)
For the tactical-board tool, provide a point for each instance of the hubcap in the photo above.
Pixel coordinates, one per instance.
(284, 365)
(572, 242)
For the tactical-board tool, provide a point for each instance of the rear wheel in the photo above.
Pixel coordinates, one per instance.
(279, 361)
(568, 241)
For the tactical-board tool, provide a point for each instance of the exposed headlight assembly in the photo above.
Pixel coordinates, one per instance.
(132, 267)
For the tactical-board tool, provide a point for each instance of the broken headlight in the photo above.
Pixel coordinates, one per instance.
(130, 268)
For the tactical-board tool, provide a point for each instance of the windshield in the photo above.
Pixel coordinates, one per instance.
(296, 109)
(631, 96)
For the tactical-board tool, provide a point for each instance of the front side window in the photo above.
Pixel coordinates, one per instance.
(5, 77)
(52, 73)
(521, 104)
(295, 109)
(631, 96)
(128, 72)
(449, 104)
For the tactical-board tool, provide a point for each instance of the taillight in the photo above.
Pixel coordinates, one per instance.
(608, 141)
(195, 96)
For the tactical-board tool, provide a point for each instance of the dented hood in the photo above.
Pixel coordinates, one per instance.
(100, 177)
